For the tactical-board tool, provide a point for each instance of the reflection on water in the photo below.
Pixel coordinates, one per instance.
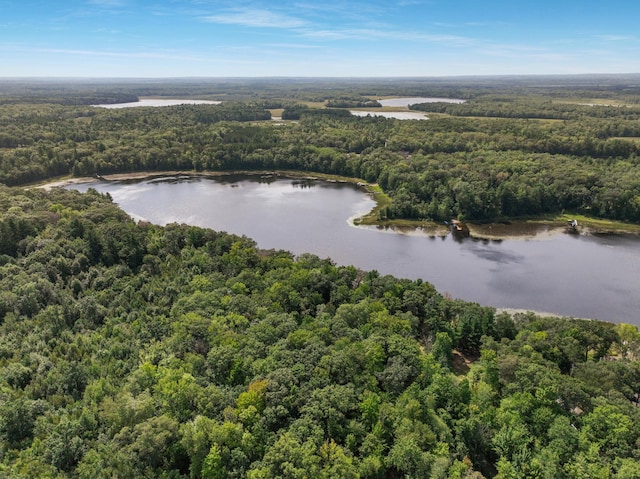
(573, 275)
(483, 250)
(406, 101)
(515, 230)
(157, 102)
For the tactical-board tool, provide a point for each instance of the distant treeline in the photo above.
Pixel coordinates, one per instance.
(298, 111)
(68, 98)
(532, 108)
(625, 88)
(458, 164)
(352, 103)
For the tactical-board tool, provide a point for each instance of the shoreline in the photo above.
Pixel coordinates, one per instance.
(542, 314)
(541, 232)
(141, 175)
(513, 229)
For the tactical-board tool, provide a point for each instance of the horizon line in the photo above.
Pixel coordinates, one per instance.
(317, 77)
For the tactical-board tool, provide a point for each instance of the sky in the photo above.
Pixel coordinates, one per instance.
(316, 38)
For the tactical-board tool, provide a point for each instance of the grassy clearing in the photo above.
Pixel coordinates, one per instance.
(276, 112)
(586, 224)
(382, 201)
(598, 225)
(314, 104)
(434, 116)
(590, 102)
(635, 139)
(539, 120)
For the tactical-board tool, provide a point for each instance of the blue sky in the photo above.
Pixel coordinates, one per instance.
(178, 38)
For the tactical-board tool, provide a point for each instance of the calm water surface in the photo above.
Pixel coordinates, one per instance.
(573, 275)
(158, 102)
(406, 101)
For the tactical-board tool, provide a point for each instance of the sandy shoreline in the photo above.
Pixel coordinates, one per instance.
(542, 314)
(141, 175)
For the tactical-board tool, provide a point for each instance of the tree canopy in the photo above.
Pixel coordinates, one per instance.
(134, 350)
(505, 153)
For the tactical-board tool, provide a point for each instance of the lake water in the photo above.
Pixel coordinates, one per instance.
(158, 102)
(406, 101)
(572, 275)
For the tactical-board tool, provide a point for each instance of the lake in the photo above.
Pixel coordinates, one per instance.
(158, 102)
(406, 101)
(571, 275)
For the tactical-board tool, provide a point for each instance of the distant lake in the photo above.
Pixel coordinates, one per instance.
(398, 115)
(406, 101)
(159, 102)
(573, 275)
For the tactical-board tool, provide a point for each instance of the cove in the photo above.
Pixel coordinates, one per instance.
(571, 275)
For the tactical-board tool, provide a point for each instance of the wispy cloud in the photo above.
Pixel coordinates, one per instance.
(253, 17)
(412, 3)
(160, 55)
(140, 56)
(342, 10)
(296, 46)
(365, 23)
(364, 34)
(464, 25)
(107, 3)
(617, 38)
(108, 31)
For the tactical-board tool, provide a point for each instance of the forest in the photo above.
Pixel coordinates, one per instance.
(503, 154)
(131, 350)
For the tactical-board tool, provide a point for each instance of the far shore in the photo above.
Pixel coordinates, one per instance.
(516, 228)
(542, 314)
(141, 175)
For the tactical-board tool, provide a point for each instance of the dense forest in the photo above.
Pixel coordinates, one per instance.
(502, 154)
(133, 350)
(130, 350)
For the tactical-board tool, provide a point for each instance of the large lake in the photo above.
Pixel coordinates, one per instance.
(407, 101)
(572, 275)
(403, 102)
(157, 102)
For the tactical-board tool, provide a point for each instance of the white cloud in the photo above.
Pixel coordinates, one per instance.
(161, 55)
(386, 34)
(253, 17)
(295, 46)
(317, 21)
(344, 11)
(617, 38)
(107, 3)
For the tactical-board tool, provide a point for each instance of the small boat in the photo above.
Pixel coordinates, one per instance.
(572, 226)
(459, 228)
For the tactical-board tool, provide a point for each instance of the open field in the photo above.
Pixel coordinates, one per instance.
(635, 139)
(592, 102)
